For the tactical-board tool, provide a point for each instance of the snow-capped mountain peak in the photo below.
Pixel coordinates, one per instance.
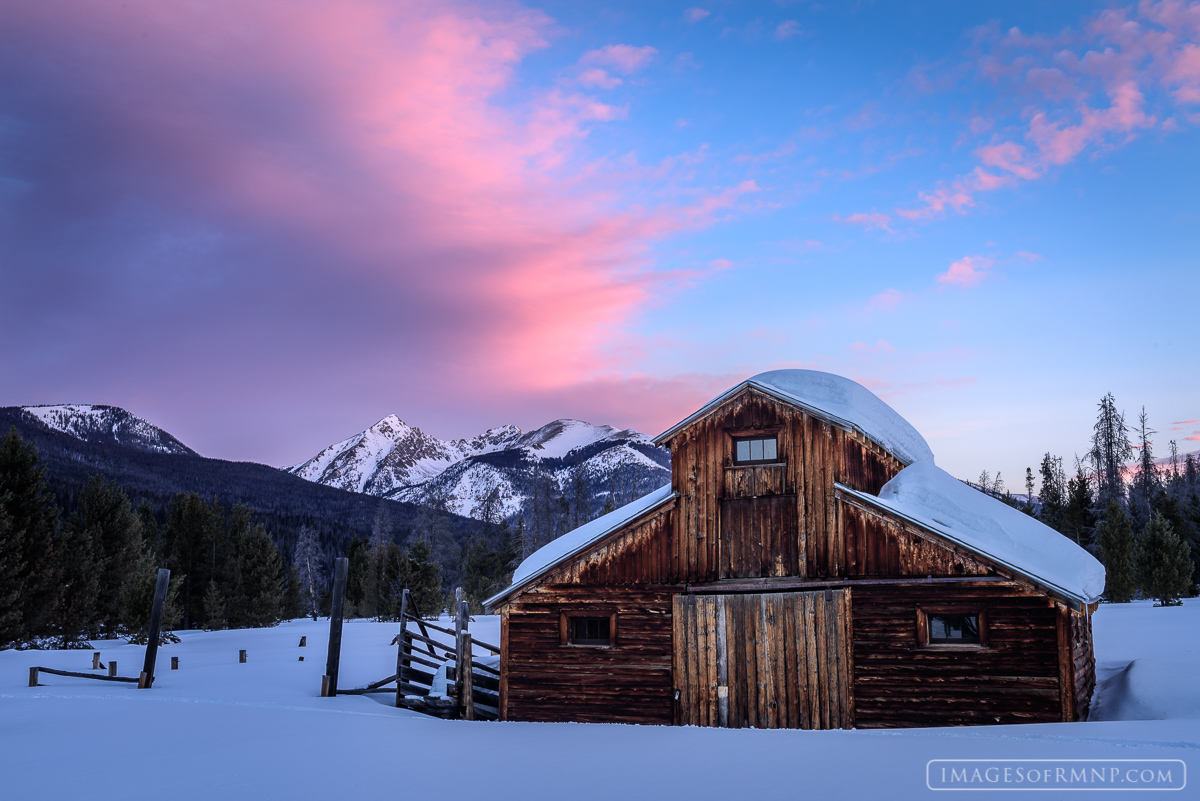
(111, 424)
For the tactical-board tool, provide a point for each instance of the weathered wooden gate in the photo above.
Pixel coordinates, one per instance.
(767, 661)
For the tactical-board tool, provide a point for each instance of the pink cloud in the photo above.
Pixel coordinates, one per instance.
(1029, 256)
(886, 300)
(694, 15)
(599, 78)
(623, 58)
(968, 271)
(787, 29)
(868, 221)
(1137, 59)
(357, 167)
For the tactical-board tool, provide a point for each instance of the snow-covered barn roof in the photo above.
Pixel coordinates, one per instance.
(839, 400)
(579, 540)
(924, 494)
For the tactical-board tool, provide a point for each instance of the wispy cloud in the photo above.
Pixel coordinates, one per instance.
(787, 29)
(881, 222)
(620, 57)
(694, 15)
(967, 272)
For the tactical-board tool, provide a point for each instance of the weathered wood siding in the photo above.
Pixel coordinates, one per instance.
(1083, 662)
(879, 546)
(899, 682)
(629, 682)
(813, 454)
(766, 661)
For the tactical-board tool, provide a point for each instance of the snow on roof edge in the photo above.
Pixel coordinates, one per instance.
(896, 449)
(560, 550)
(941, 531)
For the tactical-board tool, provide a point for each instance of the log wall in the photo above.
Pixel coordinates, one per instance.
(629, 682)
(899, 682)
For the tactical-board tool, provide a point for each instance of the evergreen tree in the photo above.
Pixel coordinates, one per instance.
(32, 548)
(1078, 517)
(1163, 562)
(357, 574)
(423, 578)
(310, 569)
(1110, 451)
(1175, 513)
(258, 593)
(216, 613)
(293, 604)
(191, 535)
(581, 511)
(105, 518)
(1029, 507)
(1146, 480)
(148, 523)
(1117, 547)
(1053, 496)
(487, 568)
(10, 573)
(76, 613)
(433, 527)
(137, 602)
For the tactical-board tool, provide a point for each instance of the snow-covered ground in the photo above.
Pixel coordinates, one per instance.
(216, 729)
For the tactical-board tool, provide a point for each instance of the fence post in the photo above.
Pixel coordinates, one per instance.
(341, 567)
(242, 657)
(304, 641)
(174, 663)
(468, 679)
(96, 660)
(401, 658)
(112, 667)
(33, 677)
(460, 628)
(160, 597)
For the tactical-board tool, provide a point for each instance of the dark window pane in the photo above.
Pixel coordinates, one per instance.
(954, 629)
(589, 630)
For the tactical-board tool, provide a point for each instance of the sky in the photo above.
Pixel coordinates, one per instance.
(265, 225)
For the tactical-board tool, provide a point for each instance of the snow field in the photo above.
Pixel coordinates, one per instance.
(219, 729)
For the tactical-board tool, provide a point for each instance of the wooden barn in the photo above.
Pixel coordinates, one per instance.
(807, 567)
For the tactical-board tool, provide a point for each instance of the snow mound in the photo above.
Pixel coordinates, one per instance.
(1147, 689)
(853, 403)
(844, 402)
(577, 540)
(937, 500)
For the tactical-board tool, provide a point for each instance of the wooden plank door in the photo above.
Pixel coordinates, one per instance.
(759, 537)
(767, 661)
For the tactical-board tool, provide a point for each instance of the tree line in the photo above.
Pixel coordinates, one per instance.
(1140, 518)
(67, 578)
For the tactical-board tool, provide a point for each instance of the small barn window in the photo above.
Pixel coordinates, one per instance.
(952, 629)
(589, 630)
(755, 450)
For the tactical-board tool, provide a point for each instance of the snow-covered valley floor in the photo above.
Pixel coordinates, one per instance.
(217, 729)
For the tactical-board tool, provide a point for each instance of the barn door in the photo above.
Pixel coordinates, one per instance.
(766, 661)
(759, 537)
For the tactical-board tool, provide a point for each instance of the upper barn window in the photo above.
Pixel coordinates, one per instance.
(588, 630)
(755, 450)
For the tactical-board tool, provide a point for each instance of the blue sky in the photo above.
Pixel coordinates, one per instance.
(266, 226)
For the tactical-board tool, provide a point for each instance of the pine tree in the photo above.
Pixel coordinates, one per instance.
(10, 573)
(1163, 563)
(137, 602)
(1078, 517)
(191, 536)
(310, 569)
(1117, 544)
(581, 511)
(1053, 495)
(1146, 480)
(1110, 451)
(33, 528)
(76, 613)
(292, 604)
(1175, 513)
(423, 578)
(115, 535)
(487, 569)
(215, 607)
(1029, 507)
(257, 589)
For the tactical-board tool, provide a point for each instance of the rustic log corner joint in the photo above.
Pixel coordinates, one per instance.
(807, 567)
